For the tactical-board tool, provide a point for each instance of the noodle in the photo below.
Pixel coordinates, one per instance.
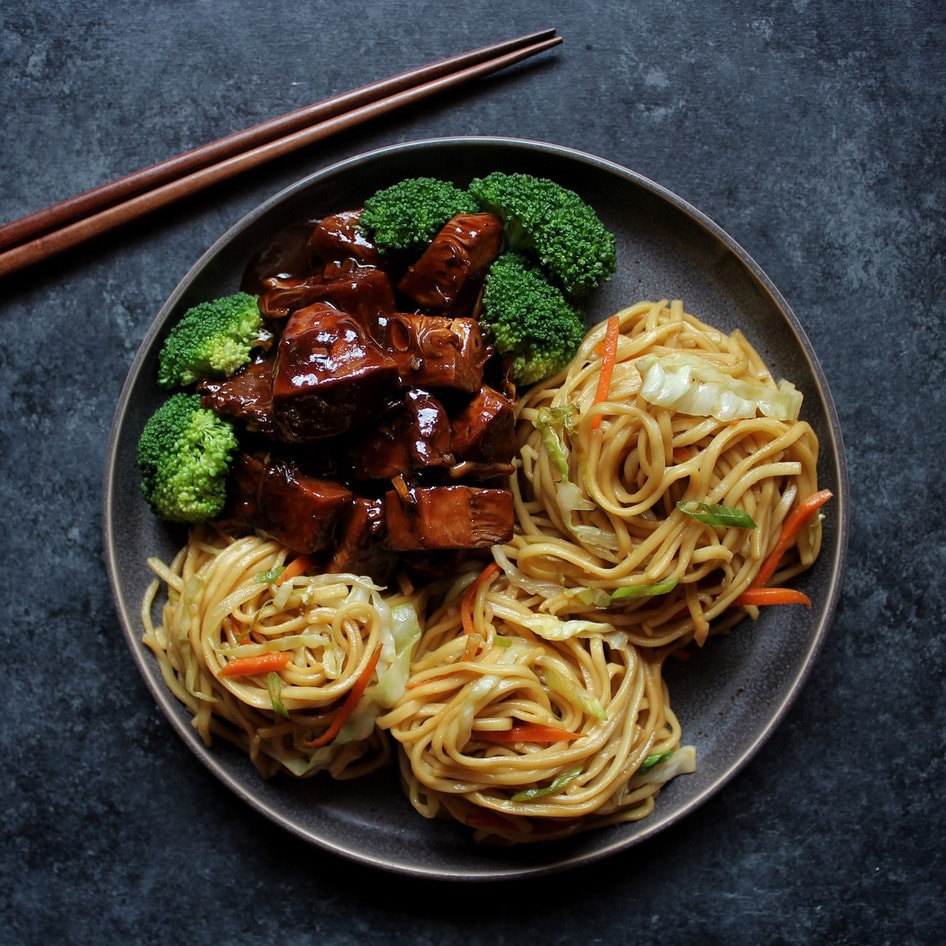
(528, 703)
(609, 521)
(223, 604)
(601, 689)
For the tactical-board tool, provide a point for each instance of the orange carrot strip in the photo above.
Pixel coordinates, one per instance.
(528, 732)
(298, 566)
(763, 596)
(790, 529)
(269, 662)
(351, 701)
(466, 602)
(466, 608)
(609, 354)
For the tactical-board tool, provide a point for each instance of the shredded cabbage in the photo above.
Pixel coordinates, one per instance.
(553, 423)
(680, 762)
(405, 627)
(400, 632)
(691, 385)
(552, 629)
(302, 766)
(576, 694)
(481, 689)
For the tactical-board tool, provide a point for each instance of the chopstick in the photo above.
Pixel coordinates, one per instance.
(67, 224)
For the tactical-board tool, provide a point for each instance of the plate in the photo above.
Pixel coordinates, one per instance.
(729, 700)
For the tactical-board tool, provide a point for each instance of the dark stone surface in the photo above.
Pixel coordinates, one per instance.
(813, 133)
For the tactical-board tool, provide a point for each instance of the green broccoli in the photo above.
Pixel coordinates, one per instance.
(528, 319)
(407, 215)
(212, 340)
(545, 219)
(184, 453)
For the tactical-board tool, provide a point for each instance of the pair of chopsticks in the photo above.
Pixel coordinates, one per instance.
(67, 224)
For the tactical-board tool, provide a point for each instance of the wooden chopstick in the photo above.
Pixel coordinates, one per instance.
(71, 222)
(98, 198)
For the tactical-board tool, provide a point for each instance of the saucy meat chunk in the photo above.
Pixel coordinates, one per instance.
(246, 474)
(412, 434)
(247, 396)
(378, 426)
(448, 517)
(484, 430)
(450, 266)
(437, 352)
(366, 294)
(302, 512)
(277, 496)
(330, 375)
(362, 547)
(337, 237)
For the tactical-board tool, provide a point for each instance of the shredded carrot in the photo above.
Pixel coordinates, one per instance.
(528, 732)
(238, 634)
(682, 454)
(609, 353)
(790, 529)
(351, 701)
(763, 596)
(466, 602)
(466, 607)
(298, 566)
(270, 662)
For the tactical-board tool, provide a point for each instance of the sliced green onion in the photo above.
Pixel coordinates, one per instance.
(274, 686)
(267, 578)
(644, 591)
(655, 759)
(556, 785)
(715, 515)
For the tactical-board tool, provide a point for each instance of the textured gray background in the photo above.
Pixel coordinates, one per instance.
(812, 132)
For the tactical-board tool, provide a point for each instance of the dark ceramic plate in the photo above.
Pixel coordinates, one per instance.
(729, 699)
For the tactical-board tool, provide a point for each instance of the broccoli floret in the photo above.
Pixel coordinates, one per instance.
(545, 219)
(184, 453)
(407, 215)
(212, 340)
(528, 319)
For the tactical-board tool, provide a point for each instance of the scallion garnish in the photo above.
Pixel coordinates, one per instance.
(654, 759)
(644, 591)
(528, 794)
(715, 515)
(267, 578)
(274, 686)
